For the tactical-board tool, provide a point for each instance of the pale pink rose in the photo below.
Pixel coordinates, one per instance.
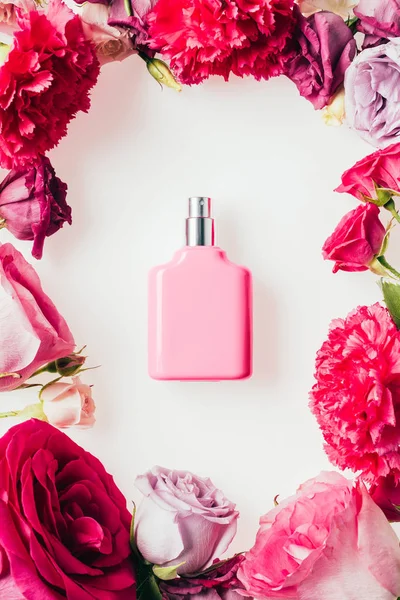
(182, 520)
(111, 43)
(328, 542)
(69, 404)
(343, 8)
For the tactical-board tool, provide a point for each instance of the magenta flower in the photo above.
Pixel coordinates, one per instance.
(356, 240)
(64, 523)
(33, 205)
(321, 49)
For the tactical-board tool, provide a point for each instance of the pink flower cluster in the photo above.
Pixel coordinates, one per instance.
(356, 397)
(330, 540)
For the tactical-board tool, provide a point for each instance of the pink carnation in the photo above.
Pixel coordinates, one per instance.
(357, 395)
(211, 37)
(44, 82)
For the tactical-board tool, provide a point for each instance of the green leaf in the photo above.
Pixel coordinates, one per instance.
(391, 295)
(167, 573)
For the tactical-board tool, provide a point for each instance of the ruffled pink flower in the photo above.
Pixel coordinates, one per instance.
(44, 82)
(328, 542)
(211, 37)
(9, 13)
(356, 399)
(33, 203)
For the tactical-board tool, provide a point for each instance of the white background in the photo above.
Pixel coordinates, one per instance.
(270, 164)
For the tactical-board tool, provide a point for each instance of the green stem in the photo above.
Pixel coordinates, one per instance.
(391, 207)
(11, 413)
(128, 8)
(144, 56)
(43, 369)
(387, 266)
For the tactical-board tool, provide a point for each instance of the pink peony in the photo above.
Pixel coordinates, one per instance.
(184, 519)
(64, 523)
(68, 404)
(211, 37)
(328, 542)
(356, 398)
(381, 168)
(44, 82)
(385, 491)
(321, 49)
(32, 331)
(356, 240)
(33, 205)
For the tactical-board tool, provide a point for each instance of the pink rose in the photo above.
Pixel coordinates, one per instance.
(356, 240)
(385, 491)
(33, 203)
(381, 168)
(328, 542)
(183, 518)
(64, 523)
(379, 18)
(111, 43)
(32, 331)
(68, 404)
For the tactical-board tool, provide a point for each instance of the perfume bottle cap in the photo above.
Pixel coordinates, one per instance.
(199, 206)
(199, 225)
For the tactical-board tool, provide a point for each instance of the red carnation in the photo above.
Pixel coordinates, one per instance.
(215, 37)
(357, 395)
(44, 82)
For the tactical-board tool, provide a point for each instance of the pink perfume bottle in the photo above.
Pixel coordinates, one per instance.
(200, 309)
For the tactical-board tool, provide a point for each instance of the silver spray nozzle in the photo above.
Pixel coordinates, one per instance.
(199, 225)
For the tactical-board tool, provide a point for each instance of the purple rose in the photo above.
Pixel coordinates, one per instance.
(182, 519)
(379, 18)
(33, 205)
(372, 99)
(218, 583)
(321, 50)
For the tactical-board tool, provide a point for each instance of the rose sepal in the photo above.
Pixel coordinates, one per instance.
(391, 296)
(167, 573)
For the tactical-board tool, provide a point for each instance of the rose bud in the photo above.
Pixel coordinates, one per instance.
(161, 73)
(68, 404)
(184, 521)
(67, 366)
(356, 241)
(385, 492)
(33, 205)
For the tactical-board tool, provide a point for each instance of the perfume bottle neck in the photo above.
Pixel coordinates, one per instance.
(200, 225)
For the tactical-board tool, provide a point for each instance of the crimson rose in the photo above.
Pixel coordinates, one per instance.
(64, 523)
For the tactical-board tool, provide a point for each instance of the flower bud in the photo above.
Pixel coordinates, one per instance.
(334, 113)
(162, 73)
(68, 365)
